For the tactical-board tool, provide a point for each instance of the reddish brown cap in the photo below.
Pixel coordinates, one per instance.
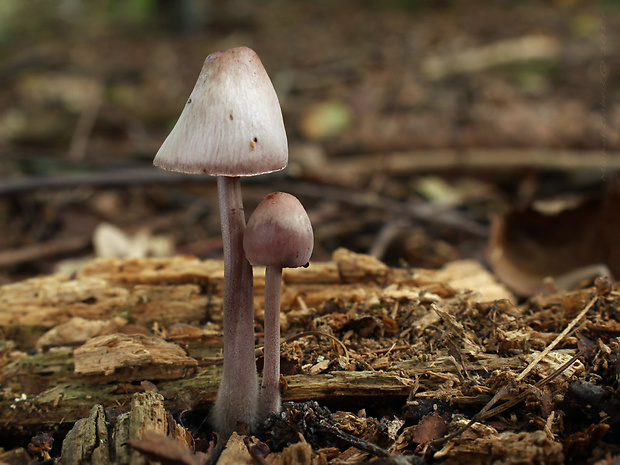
(232, 122)
(279, 233)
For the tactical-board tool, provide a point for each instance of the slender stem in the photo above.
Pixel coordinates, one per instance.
(270, 388)
(237, 397)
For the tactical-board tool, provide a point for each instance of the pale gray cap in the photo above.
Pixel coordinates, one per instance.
(279, 233)
(232, 122)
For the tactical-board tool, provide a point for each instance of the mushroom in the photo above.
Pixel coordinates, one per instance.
(278, 235)
(231, 126)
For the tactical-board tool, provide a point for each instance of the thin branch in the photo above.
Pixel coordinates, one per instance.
(123, 176)
(488, 411)
(67, 245)
(556, 341)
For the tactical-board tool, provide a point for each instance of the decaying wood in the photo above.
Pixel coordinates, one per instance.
(99, 441)
(88, 440)
(507, 447)
(72, 398)
(114, 330)
(235, 452)
(185, 289)
(123, 357)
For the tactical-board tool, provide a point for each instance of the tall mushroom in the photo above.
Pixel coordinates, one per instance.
(279, 235)
(231, 126)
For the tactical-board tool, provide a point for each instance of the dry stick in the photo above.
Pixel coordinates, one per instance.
(556, 341)
(438, 160)
(67, 245)
(392, 163)
(118, 177)
(502, 408)
(394, 348)
(489, 412)
(75, 244)
(386, 237)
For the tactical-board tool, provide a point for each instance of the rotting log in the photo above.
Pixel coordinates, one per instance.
(95, 439)
(185, 289)
(42, 390)
(72, 398)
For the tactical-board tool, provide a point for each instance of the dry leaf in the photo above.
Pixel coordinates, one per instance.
(571, 243)
(431, 427)
(164, 449)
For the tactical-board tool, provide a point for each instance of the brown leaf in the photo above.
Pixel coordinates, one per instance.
(164, 449)
(571, 243)
(431, 427)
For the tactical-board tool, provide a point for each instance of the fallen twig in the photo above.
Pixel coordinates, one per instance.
(556, 341)
(41, 250)
(488, 411)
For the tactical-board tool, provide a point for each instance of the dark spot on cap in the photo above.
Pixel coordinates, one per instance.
(256, 139)
(230, 117)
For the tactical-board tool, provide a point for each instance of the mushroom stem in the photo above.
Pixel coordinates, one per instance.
(279, 234)
(269, 400)
(237, 397)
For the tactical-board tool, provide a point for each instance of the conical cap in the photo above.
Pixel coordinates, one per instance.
(232, 122)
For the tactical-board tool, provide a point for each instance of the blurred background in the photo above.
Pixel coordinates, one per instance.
(420, 131)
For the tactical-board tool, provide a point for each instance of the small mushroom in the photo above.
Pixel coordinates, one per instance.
(231, 126)
(278, 235)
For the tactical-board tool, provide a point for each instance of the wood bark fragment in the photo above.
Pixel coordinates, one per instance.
(95, 440)
(235, 452)
(131, 357)
(77, 330)
(297, 454)
(88, 441)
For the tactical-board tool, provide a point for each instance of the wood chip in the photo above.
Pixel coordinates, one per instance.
(235, 452)
(116, 357)
(79, 329)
